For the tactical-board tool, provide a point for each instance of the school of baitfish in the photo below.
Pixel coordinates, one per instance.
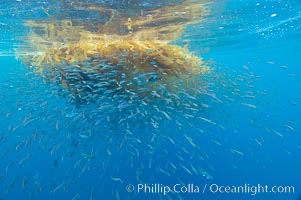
(115, 105)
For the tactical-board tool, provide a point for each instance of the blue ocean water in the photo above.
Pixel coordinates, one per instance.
(242, 127)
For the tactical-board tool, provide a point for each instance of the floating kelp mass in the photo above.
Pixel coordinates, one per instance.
(124, 51)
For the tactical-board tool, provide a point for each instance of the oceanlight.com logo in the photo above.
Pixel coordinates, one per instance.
(251, 189)
(209, 188)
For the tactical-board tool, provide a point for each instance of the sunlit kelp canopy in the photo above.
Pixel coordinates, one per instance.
(105, 47)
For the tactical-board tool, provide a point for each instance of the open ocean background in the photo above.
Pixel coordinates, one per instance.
(248, 130)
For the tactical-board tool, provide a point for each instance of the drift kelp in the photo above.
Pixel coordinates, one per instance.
(123, 46)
